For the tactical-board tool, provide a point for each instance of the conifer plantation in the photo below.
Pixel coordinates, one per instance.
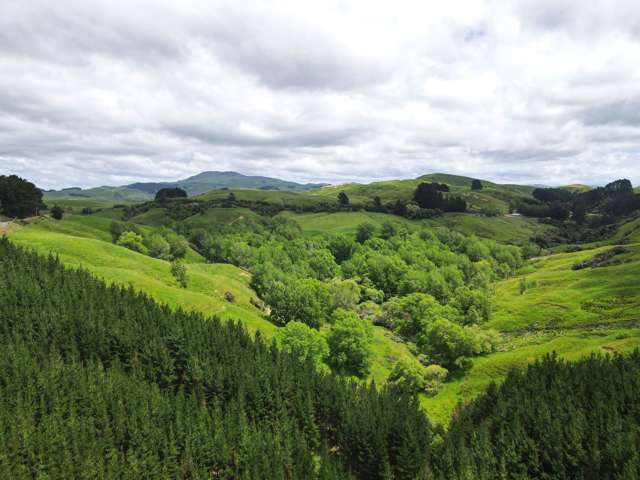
(556, 420)
(99, 381)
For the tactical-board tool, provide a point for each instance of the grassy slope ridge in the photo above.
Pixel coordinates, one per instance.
(506, 229)
(493, 195)
(85, 241)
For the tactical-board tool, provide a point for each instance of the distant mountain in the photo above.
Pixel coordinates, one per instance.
(206, 181)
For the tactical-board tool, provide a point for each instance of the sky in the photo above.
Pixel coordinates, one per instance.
(113, 92)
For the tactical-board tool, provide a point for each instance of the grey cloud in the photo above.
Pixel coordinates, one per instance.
(618, 112)
(116, 91)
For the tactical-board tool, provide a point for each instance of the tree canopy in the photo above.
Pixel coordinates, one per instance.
(168, 193)
(19, 197)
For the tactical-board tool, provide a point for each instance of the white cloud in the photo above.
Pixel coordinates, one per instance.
(112, 91)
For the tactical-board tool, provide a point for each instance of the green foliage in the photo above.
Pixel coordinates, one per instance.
(554, 420)
(133, 241)
(365, 232)
(57, 212)
(350, 344)
(18, 197)
(447, 344)
(101, 382)
(158, 247)
(179, 272)
(343, 199)
(408, 375)
(304, 342)
(168, 193)
(410, 314)
(434, 376)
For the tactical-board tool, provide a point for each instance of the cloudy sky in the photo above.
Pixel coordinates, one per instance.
(109, 92)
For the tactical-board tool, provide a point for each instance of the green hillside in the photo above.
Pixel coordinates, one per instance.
(85, 241)
(492, 196)
(503, 228)
(571, 312)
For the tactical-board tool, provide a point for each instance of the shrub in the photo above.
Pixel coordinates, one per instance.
(350, 344)
(132, 241)
(57, 212)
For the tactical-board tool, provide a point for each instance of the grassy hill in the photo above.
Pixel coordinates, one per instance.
(576, 187)
(85, 241)
(506, 229)
(493, 195)
(571, 312)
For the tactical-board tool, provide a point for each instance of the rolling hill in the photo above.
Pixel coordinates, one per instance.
(492, 196)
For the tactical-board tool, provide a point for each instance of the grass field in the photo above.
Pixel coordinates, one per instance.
(517, 230)
(99, 194)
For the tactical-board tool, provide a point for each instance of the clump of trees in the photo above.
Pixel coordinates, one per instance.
(402, 278)
(57, 212)
(585, 216)
(165, 194)
(429, 196)
(164, 244)
(18, 197)
(476, 185)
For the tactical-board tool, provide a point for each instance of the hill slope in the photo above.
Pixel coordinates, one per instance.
(492, 196)
(571, 312)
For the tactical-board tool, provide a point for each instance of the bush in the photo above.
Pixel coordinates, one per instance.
(448, 344)
(132, 241)
(434, 376)
(365, 232)
(350, 344)
(57, 212)
(408, 375)
(306, 343)
(179, 272)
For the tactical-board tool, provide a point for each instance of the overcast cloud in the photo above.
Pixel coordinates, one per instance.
(111, 92)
